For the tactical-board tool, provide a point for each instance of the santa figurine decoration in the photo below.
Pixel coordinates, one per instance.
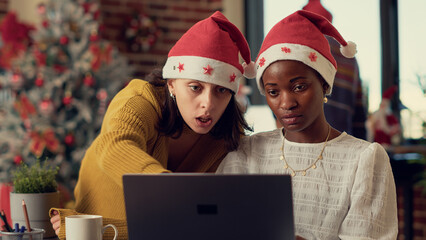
(383, 124)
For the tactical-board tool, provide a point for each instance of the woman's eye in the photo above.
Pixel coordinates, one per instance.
(299, 88)
(222, 90)
(272, 93)
(194, 88)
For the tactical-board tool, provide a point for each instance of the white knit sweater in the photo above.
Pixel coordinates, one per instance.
(350, 195)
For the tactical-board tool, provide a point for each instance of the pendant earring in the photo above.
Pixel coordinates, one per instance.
(173, 96)
(325, 100)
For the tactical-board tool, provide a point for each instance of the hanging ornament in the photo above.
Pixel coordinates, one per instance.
(18, 159)
(39, 80)
(45, 23)
(42, 140)
(63, 40)
(46, 107)
(67, 99)
(24, 107)
(94, 36)
(89, 80)
(141, 32)
(102, 96)
(16, 81)
(39, 55)
(69, 139)
(41, 9)
(101, 54)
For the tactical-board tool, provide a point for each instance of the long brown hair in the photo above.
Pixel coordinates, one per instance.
(230, 126)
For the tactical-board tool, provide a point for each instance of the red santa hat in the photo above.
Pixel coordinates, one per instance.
(315, 6)
(300, 37)
(208, 52)
(389, 92)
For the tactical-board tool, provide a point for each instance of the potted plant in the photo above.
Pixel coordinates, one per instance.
(37, 186)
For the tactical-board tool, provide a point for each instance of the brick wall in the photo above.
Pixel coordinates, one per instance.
(173, 18)
(418, 214)
(400, 204)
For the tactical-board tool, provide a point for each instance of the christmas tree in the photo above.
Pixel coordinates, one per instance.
(56, 81)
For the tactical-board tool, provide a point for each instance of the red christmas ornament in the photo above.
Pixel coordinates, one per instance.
(39, 81)
(89, 80)
(67, 100)
(16, 81)
(94, 36)
(63, 40)
(40, 56)
(46, 107)
(41, 8)
(45, 23)
(69, 139)
(96, 15)
(86, 7)
(102, 95)
(18, 159)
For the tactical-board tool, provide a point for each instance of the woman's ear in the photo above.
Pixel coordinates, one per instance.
(325, 87)
(171, 85)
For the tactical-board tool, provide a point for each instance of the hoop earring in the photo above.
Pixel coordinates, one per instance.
(173, 97)
(325, 100)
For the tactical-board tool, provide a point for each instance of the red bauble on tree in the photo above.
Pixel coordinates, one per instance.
(45, 23)
(69, 139)
(18, 159)
(17, 81)
(46, 107)
(89, 80)
(63, 40)
(67, 100)
(39, 81)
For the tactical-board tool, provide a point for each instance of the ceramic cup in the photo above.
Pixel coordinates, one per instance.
(86, 227)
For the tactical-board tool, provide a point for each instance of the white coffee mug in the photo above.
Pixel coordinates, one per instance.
(86, 227)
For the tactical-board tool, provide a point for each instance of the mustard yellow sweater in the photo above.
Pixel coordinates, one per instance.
(129, 143)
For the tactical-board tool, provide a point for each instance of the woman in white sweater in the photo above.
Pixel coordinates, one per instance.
(343, 187)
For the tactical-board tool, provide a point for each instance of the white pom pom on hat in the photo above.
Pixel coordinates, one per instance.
(249, 70)
(349, 50)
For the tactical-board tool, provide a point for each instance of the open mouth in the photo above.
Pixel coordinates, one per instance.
(204, 122)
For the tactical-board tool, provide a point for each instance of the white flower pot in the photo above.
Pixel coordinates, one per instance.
(38, 206)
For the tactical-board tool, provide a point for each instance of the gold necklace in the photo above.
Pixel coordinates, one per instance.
(313, 165)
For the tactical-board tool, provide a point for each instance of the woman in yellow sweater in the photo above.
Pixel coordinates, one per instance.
(184, 119)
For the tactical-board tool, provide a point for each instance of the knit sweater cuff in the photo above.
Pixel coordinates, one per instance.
(62, 214)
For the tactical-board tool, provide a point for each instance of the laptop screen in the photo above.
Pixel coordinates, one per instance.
(194, 206)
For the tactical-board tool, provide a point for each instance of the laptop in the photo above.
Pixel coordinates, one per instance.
(203, 206)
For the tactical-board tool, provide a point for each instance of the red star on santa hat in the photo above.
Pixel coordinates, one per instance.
(262, 62)
(313, 57)
(208, 70)
(286, 49)
(181, 67)
(232, 77)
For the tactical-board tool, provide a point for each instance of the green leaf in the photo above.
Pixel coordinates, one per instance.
(39, 178)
